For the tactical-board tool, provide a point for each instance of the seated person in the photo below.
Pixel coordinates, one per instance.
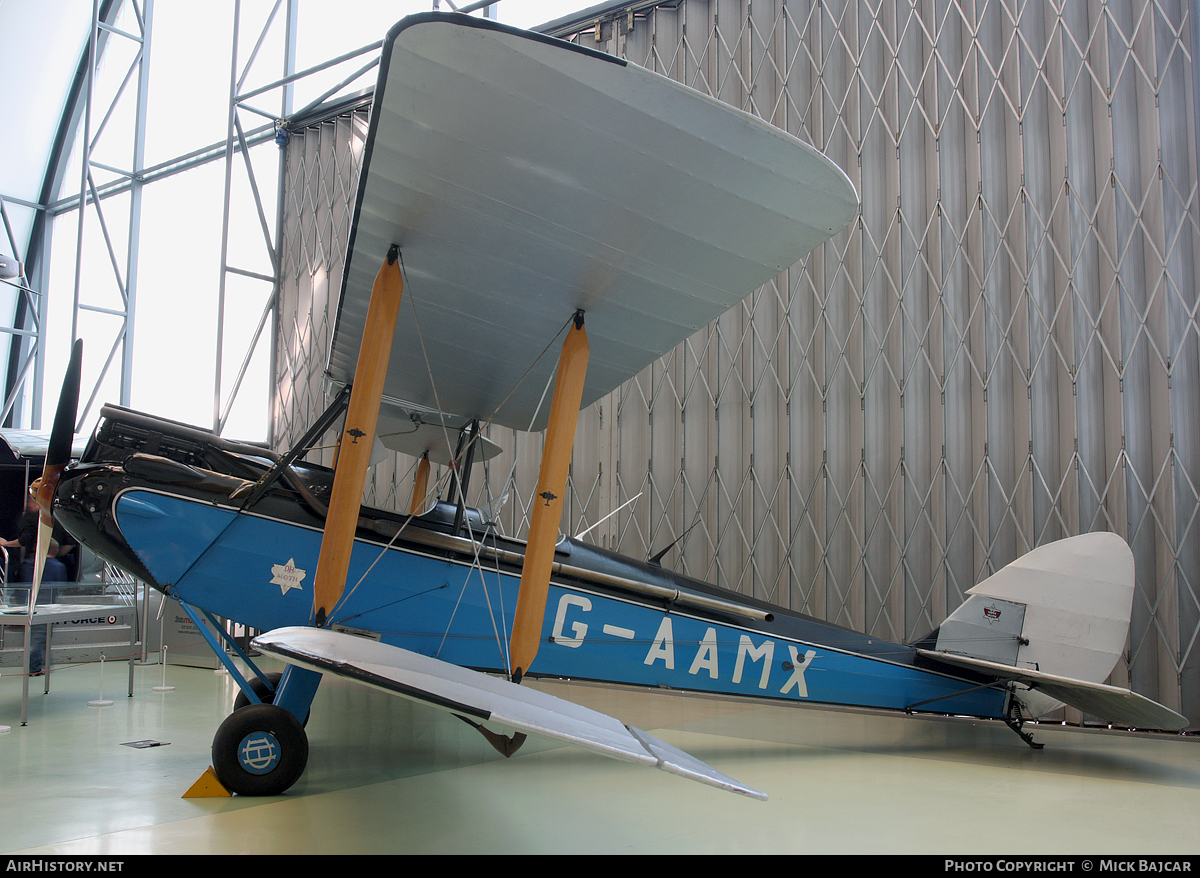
(55, 570)
(27, 522)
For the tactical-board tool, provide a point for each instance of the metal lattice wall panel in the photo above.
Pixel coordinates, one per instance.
(323, 164)
(1004, 350)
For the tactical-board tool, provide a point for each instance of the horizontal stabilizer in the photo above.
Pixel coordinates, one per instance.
(1099, 699)
(482, 698)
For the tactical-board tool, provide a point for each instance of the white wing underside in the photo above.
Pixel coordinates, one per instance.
(33, 443)
(524, 178)
(483, 698)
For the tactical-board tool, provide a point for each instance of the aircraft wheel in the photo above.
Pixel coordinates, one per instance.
(260, 750)
(265, 695)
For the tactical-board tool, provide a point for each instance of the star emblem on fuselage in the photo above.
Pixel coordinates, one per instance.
(287, 576)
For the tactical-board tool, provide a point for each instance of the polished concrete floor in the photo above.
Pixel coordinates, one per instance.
(388, 776)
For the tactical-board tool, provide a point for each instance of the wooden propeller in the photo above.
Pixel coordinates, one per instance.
(58, 455)
(358, 436)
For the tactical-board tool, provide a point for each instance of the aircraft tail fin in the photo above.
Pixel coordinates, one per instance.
(1062, 609)
(1055, 621)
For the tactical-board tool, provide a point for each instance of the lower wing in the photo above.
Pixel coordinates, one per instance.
(483, 698)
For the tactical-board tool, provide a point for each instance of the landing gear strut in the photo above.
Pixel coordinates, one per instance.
(264, 691)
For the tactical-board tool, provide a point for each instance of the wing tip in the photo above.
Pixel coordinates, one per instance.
(675, 761)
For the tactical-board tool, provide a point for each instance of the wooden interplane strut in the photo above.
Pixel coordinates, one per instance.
(358, 437)
(420, 486)
(547, 505)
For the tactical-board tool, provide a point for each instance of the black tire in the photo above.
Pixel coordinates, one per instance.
(265, 695)
(260, 750)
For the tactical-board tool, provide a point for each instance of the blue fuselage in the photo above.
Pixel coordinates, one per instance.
(437, 601)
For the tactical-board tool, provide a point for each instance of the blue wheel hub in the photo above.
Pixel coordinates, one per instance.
(259, 752)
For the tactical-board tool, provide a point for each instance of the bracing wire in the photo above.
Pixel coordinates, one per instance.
(478, 545)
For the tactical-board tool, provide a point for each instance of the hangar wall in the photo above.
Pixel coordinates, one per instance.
(1002, 351)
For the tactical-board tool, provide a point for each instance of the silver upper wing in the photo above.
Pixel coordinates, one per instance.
(524, 178)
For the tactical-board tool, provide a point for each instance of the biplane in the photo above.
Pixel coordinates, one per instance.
(522, 195)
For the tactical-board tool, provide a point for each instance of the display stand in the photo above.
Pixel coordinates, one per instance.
(102, 701)
(163, 687)
(57, 614)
